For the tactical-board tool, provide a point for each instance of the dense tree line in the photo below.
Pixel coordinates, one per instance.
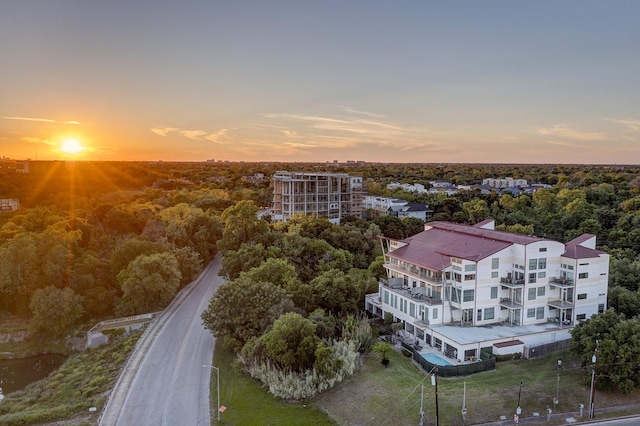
(109, 239)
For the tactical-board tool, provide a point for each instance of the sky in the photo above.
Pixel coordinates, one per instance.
(296, 81)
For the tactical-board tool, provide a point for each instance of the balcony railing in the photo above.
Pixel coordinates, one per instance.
(411, 293)
(560, 304)
(560, 282)
(510, 303)
(416, 273)
(511, 282)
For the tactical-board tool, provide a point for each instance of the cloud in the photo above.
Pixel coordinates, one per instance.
(633, 125)
(164, 131)
(38, 140)
(567, 132)
(213, 137)
(563, 143)
(193, 134)
(41, 120)
(197, 135)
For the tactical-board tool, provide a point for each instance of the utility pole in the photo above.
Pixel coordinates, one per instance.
(435, 375)
(422, 407)
(464, 402)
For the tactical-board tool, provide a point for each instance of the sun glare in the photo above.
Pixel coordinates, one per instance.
(71, 146)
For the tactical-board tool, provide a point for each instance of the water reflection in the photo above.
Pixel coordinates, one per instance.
(15, 374)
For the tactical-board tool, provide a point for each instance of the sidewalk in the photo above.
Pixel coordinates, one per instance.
(562, 418)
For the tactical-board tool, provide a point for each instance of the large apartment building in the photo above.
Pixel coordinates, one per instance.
(330, 195)
(467, 290)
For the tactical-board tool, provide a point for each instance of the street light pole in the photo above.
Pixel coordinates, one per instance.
(593, 389)
(518, 409)
(218, 386)
(218, 391)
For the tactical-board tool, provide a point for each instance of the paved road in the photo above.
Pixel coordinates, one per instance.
(164, 382)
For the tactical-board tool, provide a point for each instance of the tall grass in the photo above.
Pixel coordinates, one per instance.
(82, 382)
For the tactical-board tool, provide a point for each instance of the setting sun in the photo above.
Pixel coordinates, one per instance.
(71, 146)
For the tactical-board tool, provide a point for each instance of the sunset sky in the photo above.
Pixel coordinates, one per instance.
(391, 81)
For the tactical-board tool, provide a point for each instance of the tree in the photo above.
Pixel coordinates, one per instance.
(246, 257)
(615, 341)
(275, 271)
(383, 349)
(292, 342)
(242, 309)
(476, 210)
(335, 292)
(54, 311)
(624, 301)
(127, 250)
(149, 283)
(241, 225)
(189, 263)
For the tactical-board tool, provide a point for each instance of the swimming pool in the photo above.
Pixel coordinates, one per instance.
(435, 359)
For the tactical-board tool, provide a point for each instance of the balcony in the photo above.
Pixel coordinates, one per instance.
(421, 323)
(412, 293)
(511, 282)
(415, 272)
(556, 320)
(510, 303)
(560, 304)
(560, 282)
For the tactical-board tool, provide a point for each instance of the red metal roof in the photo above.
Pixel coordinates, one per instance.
(433, 247)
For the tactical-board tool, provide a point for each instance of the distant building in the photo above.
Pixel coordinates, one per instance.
(417, 210)
(9, 204)
(330, 195)
(507, 182)
(467, 290)
(381, 205)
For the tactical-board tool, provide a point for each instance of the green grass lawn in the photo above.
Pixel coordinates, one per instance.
(247, 403)
(376, 395)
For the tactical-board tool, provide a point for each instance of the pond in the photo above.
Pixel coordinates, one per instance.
(16, 374)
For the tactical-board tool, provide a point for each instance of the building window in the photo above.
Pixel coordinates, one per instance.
(457, 277)
(467, 296)
(469, 268)
(489, 313)
(541, 291)
(386, 297)
(456, 260)
(494, 292)
(532, 278)
(435, 313)
(479, 317)
(470, 277)
(581, 317)
(412, 310)
(495, 263)
(583, 275)
(532, 294)
(543, 249)
(582, 296)
(533, 264)
(531, 313)
(494, 274)
(542, 274)
(542, 263)
(540, 312)
(601, 308)
(456, 268)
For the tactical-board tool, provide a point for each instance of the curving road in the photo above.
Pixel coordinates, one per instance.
(164, 382)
